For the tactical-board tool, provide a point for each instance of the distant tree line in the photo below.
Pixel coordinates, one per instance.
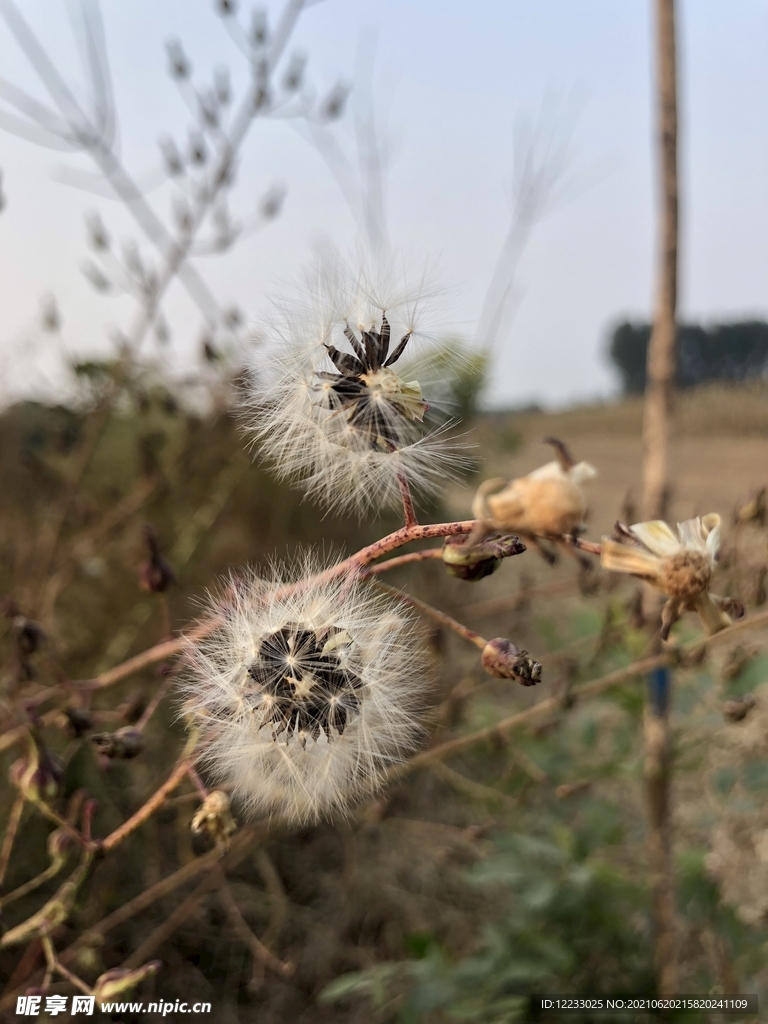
(726, 352)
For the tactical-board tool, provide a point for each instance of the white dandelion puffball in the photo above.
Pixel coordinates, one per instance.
(338, 404)
(306, 692)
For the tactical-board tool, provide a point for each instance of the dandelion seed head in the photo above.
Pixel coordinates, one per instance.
(340, 404)
(306, 692)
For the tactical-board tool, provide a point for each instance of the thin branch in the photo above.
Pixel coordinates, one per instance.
(146, 810)
(436, 614)
(11, 828)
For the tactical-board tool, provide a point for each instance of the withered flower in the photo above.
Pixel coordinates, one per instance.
(549, 502)
(680, 567)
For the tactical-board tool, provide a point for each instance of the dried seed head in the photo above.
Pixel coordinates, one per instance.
(306, 693)
(501, 658)
(685, 574)
(213, 818)
(549, 502)
(330, 406)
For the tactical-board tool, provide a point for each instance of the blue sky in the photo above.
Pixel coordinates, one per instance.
(449, 79)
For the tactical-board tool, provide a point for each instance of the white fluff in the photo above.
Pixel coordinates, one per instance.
(280, 767)
(304, 431)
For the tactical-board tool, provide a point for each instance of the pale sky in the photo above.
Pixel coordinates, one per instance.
(450, 78)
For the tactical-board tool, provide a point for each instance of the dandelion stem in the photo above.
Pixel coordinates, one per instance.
(405, 494)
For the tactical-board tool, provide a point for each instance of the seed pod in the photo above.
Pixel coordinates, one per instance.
(502, 659)
(214, 819)
(121, 745)
(475, 561)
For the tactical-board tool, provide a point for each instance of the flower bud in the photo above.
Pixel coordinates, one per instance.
(28, 633)
(736, 710)
(47, 919)
(122, 745)
(79, 721)
(59, 847)
(119, 981)
(214, 819)
(475, 561)
(38, 774)
(156, 573)
(502, 659)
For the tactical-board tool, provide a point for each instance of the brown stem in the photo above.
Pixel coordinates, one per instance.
(657, 776)
(156, 800)
(585, 545)
(661, 347)
(258, 950)
(55, 966)
(11, 829)
(591, 689)
(405, 494)
(398, 560)
(434, 613)
(197, 782)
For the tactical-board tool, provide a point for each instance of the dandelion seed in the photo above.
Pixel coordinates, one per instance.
(306, 693)
(333, 408)
(680, 567)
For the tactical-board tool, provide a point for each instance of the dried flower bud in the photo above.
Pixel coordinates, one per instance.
(155, 574)
(258, 28)
(96, 276)
(272, 203)
(60, 845)
(29, 634)
(97, 233)
(50, 316)
(502, 659)
(121, 745)
(179, 66)
(753, 510)
(736, 710)
(119, 981)
(198, 154)
(78, 721)
(225, 6)
(214, 818)
(475, 561)
(38, 774)
(333, 105)
(54, 913)
(294, 73)
(174, 165)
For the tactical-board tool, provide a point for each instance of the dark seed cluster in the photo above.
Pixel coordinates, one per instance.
(354, 387)
(301, 689)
